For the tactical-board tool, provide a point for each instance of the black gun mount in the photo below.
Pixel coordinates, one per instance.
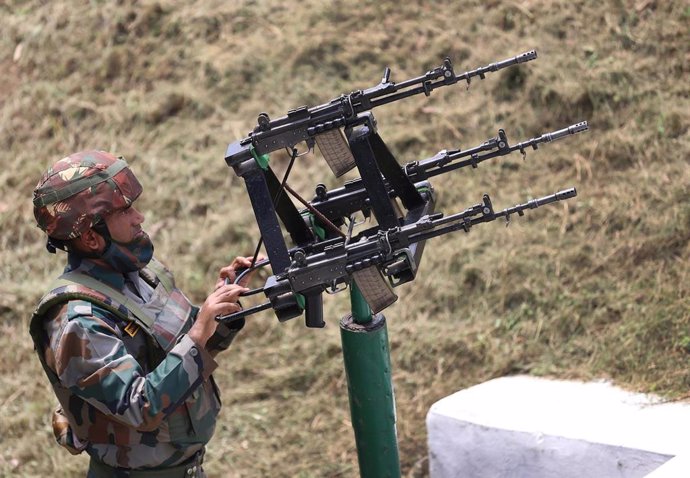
(323, 258)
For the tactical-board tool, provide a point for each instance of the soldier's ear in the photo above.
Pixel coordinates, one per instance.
(90, 242)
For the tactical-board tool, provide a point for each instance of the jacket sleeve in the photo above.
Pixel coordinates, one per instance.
(92, 361)
(223, 336)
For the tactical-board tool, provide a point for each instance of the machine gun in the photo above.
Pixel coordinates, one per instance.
(339, 204)
(336, 261)
(321, 123)
(402, 200)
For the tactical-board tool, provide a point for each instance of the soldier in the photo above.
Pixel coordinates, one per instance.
(128, 356)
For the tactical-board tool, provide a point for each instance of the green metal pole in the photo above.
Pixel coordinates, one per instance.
(372, 403)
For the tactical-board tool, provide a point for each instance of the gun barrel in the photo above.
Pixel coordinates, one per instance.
(527, 56)
(535, 203)
(499, 65)
(521, 58)
(559, 196)
(572, 129)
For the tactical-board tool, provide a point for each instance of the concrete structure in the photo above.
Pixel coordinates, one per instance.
(526, 427)
(678, 467)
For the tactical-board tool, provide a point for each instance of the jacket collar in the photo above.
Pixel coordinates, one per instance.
(97, 271)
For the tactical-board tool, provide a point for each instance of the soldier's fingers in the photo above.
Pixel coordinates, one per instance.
(234, 293)
(245, 280)
(225, 288)
(229, 288)
(228, 272)
(225, 308)
(240, 261)
(228, 293)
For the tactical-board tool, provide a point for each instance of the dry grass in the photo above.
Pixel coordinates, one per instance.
(595, 288)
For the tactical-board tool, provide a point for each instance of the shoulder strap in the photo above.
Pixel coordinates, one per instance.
(162, 274)
(70, 278)
(67, 287)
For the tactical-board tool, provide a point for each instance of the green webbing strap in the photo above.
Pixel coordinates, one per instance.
(43, 198)
(261, 160)
(71, 278)
(162, 275)
(316, 227)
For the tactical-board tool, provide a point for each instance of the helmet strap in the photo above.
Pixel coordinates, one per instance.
(102, 228)
(52, 245)
(122, 257)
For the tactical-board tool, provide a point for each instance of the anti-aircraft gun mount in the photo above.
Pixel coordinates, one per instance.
(328, 255)
(331, 258)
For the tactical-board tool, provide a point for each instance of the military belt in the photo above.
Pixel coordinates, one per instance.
(189, 469)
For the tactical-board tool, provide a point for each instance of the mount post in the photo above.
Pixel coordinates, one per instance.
(372, 402)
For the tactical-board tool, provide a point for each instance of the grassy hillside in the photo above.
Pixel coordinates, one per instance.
(594, 288)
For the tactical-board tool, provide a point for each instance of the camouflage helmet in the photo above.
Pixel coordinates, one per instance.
(80, 190)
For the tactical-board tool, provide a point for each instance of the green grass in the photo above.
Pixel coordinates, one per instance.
(594, 288)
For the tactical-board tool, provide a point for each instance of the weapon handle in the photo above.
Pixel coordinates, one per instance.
(313, 310)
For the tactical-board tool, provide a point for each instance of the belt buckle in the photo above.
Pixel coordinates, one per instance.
(191, 471)
(132, 329)
(196, 465)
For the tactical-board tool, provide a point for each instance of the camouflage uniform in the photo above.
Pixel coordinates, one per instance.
(135, 392)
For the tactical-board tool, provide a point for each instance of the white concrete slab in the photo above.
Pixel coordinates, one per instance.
(529, 427)
(678, 467)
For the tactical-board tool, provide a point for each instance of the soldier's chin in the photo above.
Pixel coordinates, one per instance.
(139, 238)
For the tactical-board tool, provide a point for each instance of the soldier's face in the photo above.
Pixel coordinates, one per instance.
(125, 224)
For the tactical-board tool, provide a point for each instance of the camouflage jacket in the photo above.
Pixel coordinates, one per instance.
(135, 391)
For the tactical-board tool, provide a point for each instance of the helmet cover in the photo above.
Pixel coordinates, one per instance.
(80, 190)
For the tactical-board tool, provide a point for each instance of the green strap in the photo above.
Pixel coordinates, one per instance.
(162, 275)
(43, 198)
(261, 160)
(70, 278)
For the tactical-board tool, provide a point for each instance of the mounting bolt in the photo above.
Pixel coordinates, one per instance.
(299, 258)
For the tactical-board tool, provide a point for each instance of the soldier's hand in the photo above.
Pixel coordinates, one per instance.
(222, 301)
(229, 272)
